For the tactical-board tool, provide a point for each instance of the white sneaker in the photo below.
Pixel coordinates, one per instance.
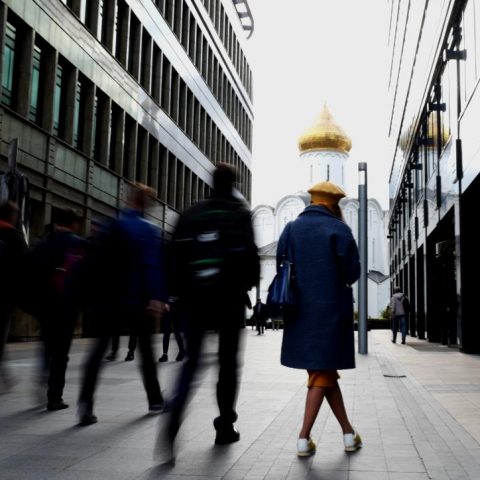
(305, 447)
(352, 441)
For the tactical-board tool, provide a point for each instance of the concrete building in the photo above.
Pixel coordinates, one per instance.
(102, 93)
(435, 175)
(324, 150)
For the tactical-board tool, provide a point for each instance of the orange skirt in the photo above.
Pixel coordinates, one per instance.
(322, 378)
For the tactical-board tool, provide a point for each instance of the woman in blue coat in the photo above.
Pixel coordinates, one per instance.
(318, 333)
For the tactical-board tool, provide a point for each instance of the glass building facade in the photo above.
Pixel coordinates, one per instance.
(103, 93)
(435, 176)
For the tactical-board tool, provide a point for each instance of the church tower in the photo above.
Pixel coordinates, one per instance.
(324, 150)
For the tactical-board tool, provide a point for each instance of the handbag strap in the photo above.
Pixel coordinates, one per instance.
(289, 255)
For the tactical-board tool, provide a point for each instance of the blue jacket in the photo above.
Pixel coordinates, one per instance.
(142, 260)
(319, 333)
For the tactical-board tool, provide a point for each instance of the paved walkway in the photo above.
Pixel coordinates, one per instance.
(416, 406)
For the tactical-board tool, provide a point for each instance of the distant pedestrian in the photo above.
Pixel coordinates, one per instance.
(318, 333)
(171, 323)
(215, 263)
(276, 322)
(399, 309)
(12, 252)
(260, 316)
(127, 281)
(54, 265)
(132, 345)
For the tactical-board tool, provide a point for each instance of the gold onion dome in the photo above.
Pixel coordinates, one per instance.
(326, 134)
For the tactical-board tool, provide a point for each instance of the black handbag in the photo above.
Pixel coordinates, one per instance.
(281, 295)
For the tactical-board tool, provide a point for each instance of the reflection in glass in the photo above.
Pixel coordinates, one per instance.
(8, 64)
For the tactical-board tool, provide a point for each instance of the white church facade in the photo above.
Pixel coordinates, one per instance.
(324, 152)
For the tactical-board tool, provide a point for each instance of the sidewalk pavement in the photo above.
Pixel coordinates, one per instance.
(417, 407)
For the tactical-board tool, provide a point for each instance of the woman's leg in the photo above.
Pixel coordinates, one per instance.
(394, 328)
(335, 400)
(312, 406)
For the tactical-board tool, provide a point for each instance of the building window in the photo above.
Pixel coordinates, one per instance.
(35, 84)
(102, 124)
(166, 85)
(58, 100)
(8, 64)
(76, 115)
(116, 137)
(169, 6)
(146, 66)
(135, 46)
(177, 25)
(160, 5)
(142, 158)
(172, 174)
(83, 11)
(100, 25)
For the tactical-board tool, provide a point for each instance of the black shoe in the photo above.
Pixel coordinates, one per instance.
(88, 418)
(226, 432)
(111, 357)
(130, 356)
(54, 406)
(394, 341)
(403, 342)
(156, 407)
(226, 436)
(163, 358)
(180, 356)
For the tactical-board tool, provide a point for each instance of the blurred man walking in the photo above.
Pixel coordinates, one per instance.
(54, 264)
(215, 262)
(127, 280)
(12, 251)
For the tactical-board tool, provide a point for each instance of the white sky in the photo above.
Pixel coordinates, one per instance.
(305, 52)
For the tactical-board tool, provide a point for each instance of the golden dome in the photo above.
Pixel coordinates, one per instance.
(326, 134)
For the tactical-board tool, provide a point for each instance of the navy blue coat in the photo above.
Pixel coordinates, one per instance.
(318, 335)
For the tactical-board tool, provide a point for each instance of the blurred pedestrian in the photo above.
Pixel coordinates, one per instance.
(260, 316)
(12, 251)
(171, 323)
(127, 280)
(98, 231)
(132, 345)
(215, 262)
(399, 309)
(318, 333)
(54, 266)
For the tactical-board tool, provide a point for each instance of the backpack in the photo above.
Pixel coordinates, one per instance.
(219, 253)
(63, 274)
(406, 304)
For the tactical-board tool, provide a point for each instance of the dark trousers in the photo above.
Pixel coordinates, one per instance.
(4, 329)
(5, 316)
(171, 324)
(228, 320)
(142, 328)
(399, 321)
(260, 322)
(57, 332)
(132, 342)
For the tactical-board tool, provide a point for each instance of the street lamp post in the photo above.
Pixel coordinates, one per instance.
(363, 248)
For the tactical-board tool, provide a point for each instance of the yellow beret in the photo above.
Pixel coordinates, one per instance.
(326, 192)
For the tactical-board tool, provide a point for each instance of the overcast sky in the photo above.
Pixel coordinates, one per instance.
(306, 52)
